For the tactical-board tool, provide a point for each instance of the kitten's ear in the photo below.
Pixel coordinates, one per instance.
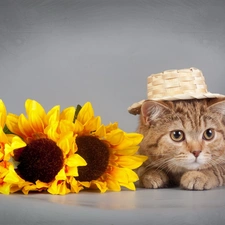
(152, 110)
(218, 105)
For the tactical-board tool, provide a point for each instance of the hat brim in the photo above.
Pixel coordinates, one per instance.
(136, 107)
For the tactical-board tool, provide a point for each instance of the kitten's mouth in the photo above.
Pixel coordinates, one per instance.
(191, 164)
(195, 165)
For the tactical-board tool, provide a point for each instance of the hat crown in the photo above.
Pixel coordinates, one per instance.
(174, 83)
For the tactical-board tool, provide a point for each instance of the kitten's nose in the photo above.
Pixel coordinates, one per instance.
(196, 153)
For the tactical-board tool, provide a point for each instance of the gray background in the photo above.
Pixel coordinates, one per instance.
(68, 52)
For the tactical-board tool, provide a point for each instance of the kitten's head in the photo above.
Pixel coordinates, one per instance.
(183, 135)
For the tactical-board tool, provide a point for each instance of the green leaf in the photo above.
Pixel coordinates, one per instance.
(6, 130)
(78, 108)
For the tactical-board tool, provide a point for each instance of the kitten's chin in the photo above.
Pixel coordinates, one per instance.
(191, 163)
(196, 166)
(193, 166)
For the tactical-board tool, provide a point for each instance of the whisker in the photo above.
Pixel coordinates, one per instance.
(160, 164)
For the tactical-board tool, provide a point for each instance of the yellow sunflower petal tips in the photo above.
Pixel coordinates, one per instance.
(110, 153)
(3, 113)
(65, 151)
(9, 180)
(45, 162)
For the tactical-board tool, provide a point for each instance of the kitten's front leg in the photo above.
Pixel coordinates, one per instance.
(154, 179)
(199, 180)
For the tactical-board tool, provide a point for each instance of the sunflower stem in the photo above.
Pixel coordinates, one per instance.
(78, 108)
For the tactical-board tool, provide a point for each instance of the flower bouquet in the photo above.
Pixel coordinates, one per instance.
(65, 151)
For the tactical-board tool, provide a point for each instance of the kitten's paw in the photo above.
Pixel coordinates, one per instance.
(195, 180)
(154, 179)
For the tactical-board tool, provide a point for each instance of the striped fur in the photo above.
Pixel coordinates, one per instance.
(192, 163)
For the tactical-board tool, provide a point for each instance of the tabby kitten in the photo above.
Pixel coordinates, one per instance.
(184, 141)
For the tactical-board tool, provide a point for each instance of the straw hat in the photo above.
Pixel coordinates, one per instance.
(175, 85)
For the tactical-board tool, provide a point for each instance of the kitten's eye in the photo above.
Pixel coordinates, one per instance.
(209, 134)
(177, 135)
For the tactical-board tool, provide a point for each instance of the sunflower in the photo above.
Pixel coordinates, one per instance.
(110, 153)
(49, 160)
(9, 180)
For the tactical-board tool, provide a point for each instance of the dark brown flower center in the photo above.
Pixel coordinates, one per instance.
(40, 160)
(96, 154)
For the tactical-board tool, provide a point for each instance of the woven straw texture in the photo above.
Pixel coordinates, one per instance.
(176, 82)
(173, 85)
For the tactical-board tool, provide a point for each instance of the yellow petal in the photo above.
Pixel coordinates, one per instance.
(61, 175)
(68, 114)
(51, 131)
(53, 189)
(32, 106)
(11, 177)
(14, 188)
(20, 185)
(5, 188)
(12, 124)
(72, 171)
(3, 136)
(92, 124)
(113, 185)
(3, 169)
(54, 114)
(102, 186)
(3, 113)
(62, 188)
(1, 155)
(132, 150)
(131, 162)
(75, 160)
(36, 122)
(16, 143)
(131, 139)
(124, 175)
(101, 132)
(79, 127)
(112, 126)
(86, 113)
(29, 187)
(58, 187)
(66, 141)
(85, 183)
(76, 187)
(132, 176)
(135, 137)
(24, 126)
(40, 184)
(65, 126)
(120, 174)
(115, 137)
(129, 185)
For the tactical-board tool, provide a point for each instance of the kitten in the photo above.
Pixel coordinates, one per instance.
(185, 143)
